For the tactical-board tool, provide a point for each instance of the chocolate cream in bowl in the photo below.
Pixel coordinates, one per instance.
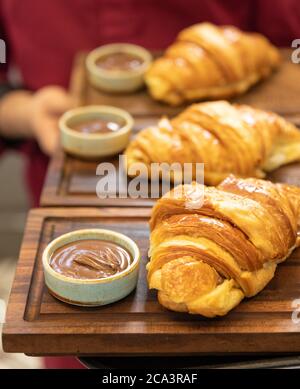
(119, 61)
(98, 125)
(90, 259)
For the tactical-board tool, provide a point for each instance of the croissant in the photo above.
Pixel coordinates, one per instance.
(207, 61)
(205, 257)
(227, 138)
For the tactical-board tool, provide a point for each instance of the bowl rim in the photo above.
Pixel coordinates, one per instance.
(100, 51)
(49, 250)
(129, 121)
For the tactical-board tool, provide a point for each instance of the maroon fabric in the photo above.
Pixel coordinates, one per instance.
(43, 36)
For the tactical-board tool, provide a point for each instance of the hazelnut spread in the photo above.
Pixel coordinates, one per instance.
(90, 259)
(96, 126)
(119, 61)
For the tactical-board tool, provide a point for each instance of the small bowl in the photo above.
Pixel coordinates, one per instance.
(117, 80)
(93, 146)
(92, 292)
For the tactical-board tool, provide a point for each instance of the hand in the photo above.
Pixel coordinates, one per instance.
(25, 114)
(47, 105)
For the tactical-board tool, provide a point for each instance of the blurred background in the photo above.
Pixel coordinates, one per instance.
(14, 204)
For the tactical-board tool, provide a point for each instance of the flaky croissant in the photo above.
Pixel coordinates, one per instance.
(227, 138)
(206, 259)
(207, 61)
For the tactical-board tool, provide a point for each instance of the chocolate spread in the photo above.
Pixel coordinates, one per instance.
(96, 126)
(90, 258)
(119, 61)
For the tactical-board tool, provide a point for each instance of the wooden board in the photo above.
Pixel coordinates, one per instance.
(71, 182)
(39, 324)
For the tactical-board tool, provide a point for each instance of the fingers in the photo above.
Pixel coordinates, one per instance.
(55, 100)
(48, 105)
(48, 135)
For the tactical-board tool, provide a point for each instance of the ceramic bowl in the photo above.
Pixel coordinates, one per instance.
(92, 292)
(117, 80)
(97, 145)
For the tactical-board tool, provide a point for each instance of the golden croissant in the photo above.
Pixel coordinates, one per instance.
(227, 138)
(207, 61)
(205, 257)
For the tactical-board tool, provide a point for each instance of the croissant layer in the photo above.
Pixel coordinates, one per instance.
(205, 259)
(207, 61)
(227, 138)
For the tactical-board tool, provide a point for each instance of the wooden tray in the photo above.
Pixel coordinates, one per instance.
(279, 93)
(38, 324)
(71, 182)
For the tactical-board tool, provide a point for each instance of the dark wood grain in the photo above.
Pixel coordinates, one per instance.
(72, 182)
(39, 324)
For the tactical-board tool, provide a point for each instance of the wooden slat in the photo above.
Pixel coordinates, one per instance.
(72, 182)
(38, 324)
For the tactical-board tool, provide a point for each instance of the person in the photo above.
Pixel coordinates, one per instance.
(42, 38)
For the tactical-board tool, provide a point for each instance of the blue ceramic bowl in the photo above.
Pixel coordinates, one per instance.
(92, 292)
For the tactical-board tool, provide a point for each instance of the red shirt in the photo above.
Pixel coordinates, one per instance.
(43, 36)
